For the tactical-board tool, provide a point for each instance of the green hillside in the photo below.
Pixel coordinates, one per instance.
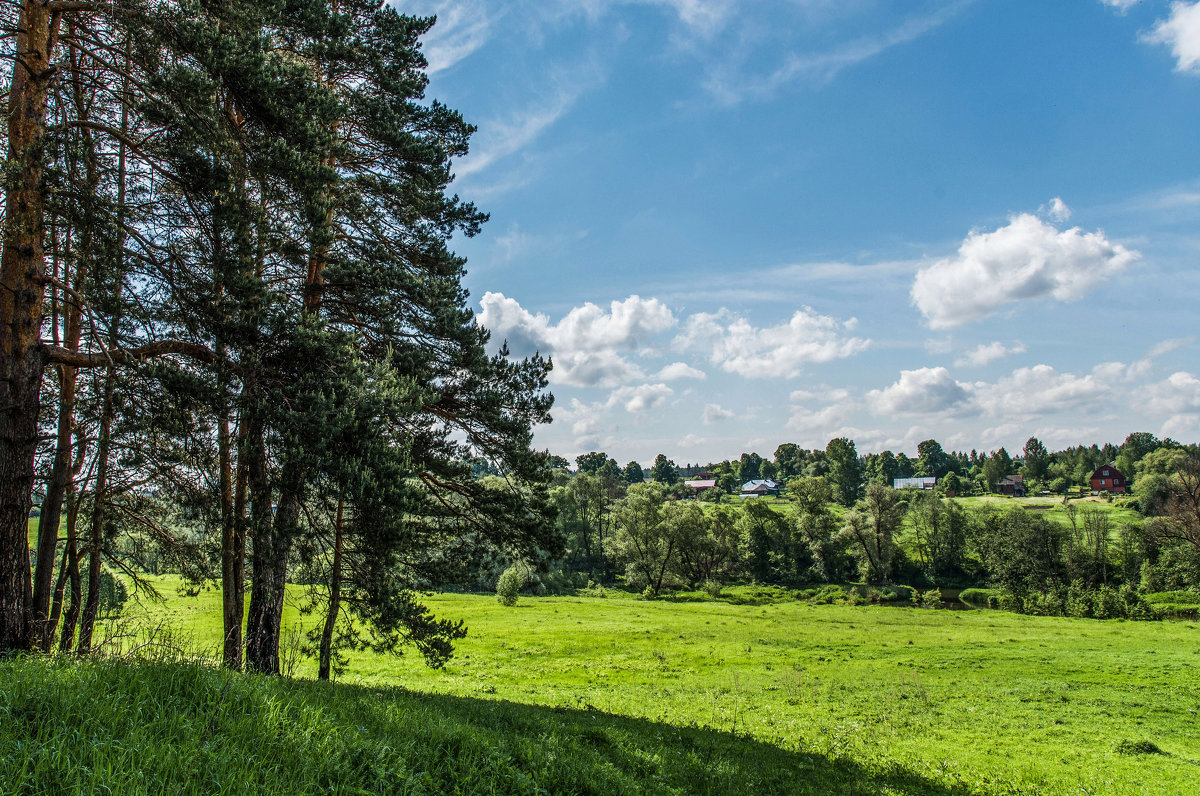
(900, 698)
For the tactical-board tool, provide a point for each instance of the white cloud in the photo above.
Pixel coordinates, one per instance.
(1027, 259)
(593, 369)
(1121, 5)
(1181, 32)
(924, 391)
(988, 352)
(1043, 390)
(776, 351)
(714, 413)
(637, 400)
(463, 26)
(586, 342)
(822, 67)
(1177, 395)
(680, 370)
(1057, 210)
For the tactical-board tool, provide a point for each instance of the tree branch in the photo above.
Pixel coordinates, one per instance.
(120, 356)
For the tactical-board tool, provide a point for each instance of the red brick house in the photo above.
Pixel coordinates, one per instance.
(1108, 478)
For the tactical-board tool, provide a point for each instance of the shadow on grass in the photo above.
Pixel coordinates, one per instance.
(161, 727)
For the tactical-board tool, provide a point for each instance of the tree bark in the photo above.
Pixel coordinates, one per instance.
(335, 600)
(71, 555)
(22, 265)
(233, 548)
(91, 608)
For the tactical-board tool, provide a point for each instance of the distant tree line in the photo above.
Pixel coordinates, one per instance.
(834, 527)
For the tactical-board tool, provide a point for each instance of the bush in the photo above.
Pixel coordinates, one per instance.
(829, 594)
(712, 588)
(932, 599)
(508, 588)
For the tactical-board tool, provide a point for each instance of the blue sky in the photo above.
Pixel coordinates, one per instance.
(734, 225)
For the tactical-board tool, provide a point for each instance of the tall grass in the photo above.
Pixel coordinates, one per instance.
(134, 726)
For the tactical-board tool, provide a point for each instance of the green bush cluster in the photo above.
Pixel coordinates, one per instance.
(1079, 601)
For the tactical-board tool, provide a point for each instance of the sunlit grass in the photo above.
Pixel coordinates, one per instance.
(1008, 703)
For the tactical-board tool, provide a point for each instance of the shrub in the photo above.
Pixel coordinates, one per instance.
(829, 594)
(932, 598)
(712, 588)
(508, 588)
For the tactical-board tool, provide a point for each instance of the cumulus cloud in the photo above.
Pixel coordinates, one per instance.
(921, 392)
(714, 413)
(988, 352)
(1026, 259)
(1043, 390)
(680, 370)
(1178, 397)
(586, 343)
(823, 412)
(775, 351)
(1181, 32)
(637, 400)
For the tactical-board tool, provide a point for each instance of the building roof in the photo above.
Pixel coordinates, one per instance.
(759, 485)
(920, 482)
(1113, 472)
(1017, 479)
(702, 483)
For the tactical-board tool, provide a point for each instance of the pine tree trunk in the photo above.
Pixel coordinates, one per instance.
(67, 636)
(22, 269)
(271, 547)
(51, 515)
(335, 600)
(233, 548)
(91, 608)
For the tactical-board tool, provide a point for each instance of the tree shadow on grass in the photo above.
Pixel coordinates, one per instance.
(180, 728)
(537, 749)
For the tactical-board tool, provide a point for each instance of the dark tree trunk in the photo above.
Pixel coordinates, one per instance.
(71, 556)
(233, 547)
(91, 608)
(22, 271)
(335, 600)
(271, 536)
(51, 515)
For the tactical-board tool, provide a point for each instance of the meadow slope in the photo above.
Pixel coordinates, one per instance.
(990, 701)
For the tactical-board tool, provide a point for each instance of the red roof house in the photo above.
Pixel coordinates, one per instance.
(1108, 478)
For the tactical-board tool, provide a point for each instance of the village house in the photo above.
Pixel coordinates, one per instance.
(1013, 485)
(760, 487)
(1109, 479)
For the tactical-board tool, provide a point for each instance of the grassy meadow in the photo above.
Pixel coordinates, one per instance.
(910, 700)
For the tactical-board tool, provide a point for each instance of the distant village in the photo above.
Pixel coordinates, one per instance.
(1099, 469)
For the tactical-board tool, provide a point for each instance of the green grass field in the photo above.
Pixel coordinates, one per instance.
(985, 701)
(1051, 507)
